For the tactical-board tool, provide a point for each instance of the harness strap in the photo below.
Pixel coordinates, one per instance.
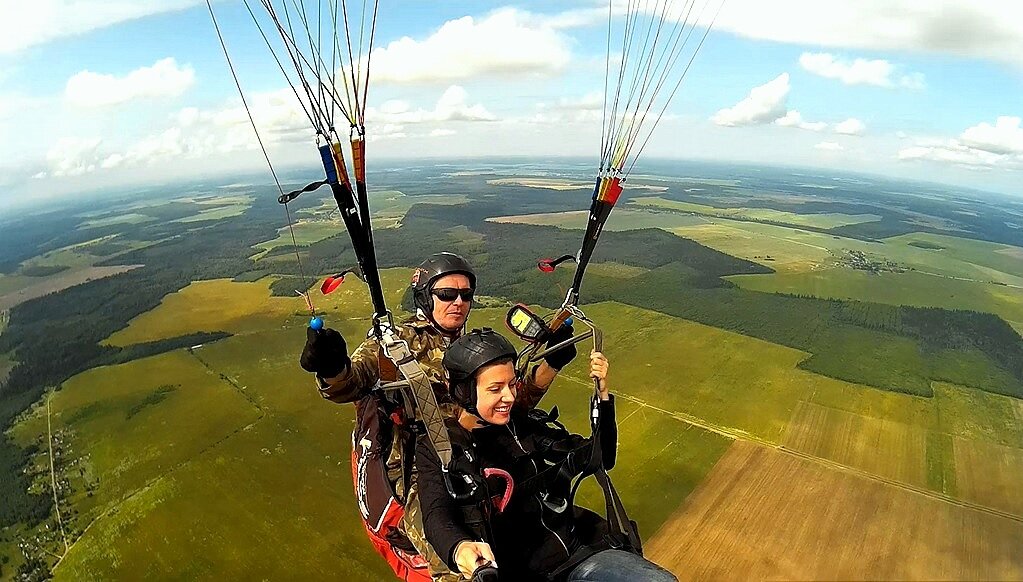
(398, 352)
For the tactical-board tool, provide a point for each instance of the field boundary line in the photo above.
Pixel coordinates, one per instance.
(115, 505)
(745, 436)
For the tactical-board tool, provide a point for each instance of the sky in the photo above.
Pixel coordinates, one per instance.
(101, 94)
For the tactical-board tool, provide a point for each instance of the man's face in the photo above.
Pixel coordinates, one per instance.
(449, 312)
(495, 392)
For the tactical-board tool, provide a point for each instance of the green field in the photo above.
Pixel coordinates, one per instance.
(307, 232)
(623, 219)
(910, 288)
(817, 220)
(216, 213)
(126, 218)
(997, 257)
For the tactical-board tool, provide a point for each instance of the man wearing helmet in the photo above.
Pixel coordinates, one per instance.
(443, 289)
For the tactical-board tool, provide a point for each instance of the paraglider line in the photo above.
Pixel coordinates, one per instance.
(259, 139)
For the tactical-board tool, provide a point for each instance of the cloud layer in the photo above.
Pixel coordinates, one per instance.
(35, 22)
(876, 72)
(163, 79)
(507, 41)
(981, 146)
(985, 29)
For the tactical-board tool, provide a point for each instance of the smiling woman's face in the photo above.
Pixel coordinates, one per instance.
(496, 387)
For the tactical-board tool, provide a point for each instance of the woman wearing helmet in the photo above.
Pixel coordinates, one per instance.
(443, 290)
(534, 532)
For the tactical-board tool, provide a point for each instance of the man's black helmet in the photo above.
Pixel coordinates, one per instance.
(466, 356)
(433, 268)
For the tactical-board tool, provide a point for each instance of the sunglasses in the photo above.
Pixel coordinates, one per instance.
(449, 294)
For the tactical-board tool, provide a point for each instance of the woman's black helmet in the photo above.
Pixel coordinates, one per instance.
(466, 356)
(433, 268)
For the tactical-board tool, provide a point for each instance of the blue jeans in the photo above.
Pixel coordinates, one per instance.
(619, 566)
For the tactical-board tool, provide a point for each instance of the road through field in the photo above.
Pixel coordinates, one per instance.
(740, 435)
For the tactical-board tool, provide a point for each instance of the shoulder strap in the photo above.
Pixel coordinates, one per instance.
(421, 392)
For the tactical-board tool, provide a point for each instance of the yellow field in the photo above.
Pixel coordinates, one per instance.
(546, 183)
(818, 220)
(624, 219)
(618, 270)
(989, 474)
(217, 305)
(878, 446)
(763, 514)
(782, 249)
(126, 218)
(216, 213)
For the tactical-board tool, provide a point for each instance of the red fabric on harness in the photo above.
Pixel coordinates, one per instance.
(411, 568)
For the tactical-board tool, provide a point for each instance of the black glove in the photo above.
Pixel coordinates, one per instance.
(325, 353)
(560, 358)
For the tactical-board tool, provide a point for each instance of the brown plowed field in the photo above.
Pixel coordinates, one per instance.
(763, 514)
(878, 446)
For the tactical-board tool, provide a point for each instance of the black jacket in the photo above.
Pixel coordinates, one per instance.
(529, 538)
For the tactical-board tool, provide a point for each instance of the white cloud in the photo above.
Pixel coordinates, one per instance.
(192, 134)
(981, 146)
(877, 72)
(507, 41)
(588, 102)
(452, 106)
(951, 152)
(195, 134)
(35, 22)
(764, 104)
(163, 79)
(829, 146)
(1004, 137)
(794, 119)
(851, 126)
(73, 156)
(984, 29)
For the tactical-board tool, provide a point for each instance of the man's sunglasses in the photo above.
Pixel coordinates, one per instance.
(449, 294)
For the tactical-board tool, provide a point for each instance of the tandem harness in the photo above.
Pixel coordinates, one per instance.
(391, 417)
(570, 460)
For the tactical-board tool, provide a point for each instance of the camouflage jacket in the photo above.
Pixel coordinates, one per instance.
(370, 366)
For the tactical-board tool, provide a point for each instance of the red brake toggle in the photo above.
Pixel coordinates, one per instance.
(545, 265)
(332, 283)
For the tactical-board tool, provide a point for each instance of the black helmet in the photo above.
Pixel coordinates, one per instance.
(466, 356)
(433, 268)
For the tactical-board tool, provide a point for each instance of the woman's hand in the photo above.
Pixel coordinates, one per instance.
(471, 555)
(598, 371)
